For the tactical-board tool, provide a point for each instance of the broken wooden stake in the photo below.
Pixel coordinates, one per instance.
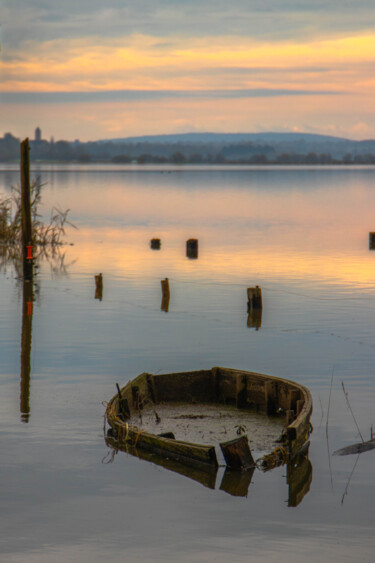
(192, 248)
(165, 295)
(123, 404)
(237, 453)
(155, 243)
(254, 298)
(99, 287)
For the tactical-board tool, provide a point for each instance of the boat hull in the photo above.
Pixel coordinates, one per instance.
(222, 386)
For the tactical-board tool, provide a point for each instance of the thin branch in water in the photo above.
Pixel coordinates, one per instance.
(329, 399)
(328, 450)
(350, 408)
(348, 483)
(321, 407)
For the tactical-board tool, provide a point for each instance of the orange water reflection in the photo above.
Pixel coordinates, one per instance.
(280, 223)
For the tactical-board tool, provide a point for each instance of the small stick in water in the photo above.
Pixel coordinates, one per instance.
(350, 408)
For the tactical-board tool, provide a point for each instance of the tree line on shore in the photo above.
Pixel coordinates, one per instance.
(173, 153)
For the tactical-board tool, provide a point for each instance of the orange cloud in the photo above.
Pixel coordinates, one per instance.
(141, 62)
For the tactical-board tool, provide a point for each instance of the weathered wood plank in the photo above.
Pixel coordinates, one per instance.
(237, 453)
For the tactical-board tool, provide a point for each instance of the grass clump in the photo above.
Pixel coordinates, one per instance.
(46, 237)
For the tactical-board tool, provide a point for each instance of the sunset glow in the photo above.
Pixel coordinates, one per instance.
(320, 75)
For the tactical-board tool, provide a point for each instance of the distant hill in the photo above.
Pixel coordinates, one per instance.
(230, 138)
(280, 147)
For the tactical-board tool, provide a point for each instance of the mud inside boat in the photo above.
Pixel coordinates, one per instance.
(206, 424)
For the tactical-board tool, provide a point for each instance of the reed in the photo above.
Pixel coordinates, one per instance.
(46, 236)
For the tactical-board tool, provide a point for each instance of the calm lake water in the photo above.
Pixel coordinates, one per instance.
(299, 233)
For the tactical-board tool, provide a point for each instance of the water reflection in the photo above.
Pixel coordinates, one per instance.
(234, 483)
(99, 287)
(299, 476)
(27, 323)
(27, 270)
(254, 319)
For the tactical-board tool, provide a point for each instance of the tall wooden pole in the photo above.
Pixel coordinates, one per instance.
(27, 305)
(26, 211)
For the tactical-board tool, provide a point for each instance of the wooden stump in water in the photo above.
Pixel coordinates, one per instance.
(155, 243)
(254, 298)
(165, 295)
(237, 453)
(192, 248)
(99, 287)
(371, 241)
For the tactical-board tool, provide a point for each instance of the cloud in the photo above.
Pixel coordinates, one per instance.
(139, 62)
(187, 59)
(43, 20)
(145, 95)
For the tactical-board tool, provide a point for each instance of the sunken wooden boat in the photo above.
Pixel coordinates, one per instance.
(243, 390)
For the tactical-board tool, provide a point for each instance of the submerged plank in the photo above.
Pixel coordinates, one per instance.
(356, 448)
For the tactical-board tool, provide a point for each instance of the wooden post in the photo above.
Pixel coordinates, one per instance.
(371, 241)
(99, 287)
(237, 453)
(27, 238)
(165, 295)
(192, 248)
(155, 243)
(254, 298)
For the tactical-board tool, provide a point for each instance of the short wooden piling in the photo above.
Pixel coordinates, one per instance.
(155, 243)
(99, 287)
(165, 295)
(237, 453)
(192, 248)
(254, 298)
(371, 241)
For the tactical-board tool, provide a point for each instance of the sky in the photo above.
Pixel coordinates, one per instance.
(89, 70)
